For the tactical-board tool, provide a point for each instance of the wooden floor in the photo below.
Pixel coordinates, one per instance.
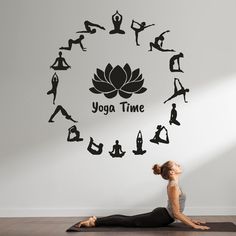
(56, 226)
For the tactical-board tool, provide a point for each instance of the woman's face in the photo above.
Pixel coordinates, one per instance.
(176, 167)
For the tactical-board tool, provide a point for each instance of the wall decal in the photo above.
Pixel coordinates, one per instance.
(59, 108)
(98, 147)
(76, 138)
(140, 28)
(54, 81)
(158, 43)
(60, 63)
(118, 80)
(173, 115)
(76, 41)
(117, 150)
(174, 59)
(177, 92)
(157, 139)
(117, 20)
(139, 144)
(88, 28)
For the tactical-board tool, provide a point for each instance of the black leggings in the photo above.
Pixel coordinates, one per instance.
(156, 218)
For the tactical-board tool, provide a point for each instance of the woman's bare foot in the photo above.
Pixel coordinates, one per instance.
(87, 223)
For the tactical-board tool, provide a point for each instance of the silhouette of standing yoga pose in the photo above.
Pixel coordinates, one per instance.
(177, 92)
(117, 20)
(88, 26)
(172, 62)
(157, 139)
(117, 150)
(173, 115)
(60, 63)
(76, 138)
(93, 151)
(53, 91)
(141, 26)
(76, 41)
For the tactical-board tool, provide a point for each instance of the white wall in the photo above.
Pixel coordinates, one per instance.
(41, 174)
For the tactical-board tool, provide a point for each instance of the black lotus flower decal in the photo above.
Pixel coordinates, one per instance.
(118, 80)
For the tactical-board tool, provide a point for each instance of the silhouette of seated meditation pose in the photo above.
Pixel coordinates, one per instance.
(60, 63)
(117, 151)
(93, 151)
(76, 138)
(177, 92)
(53, 91)
(139, 144)
(158, 43)
(173, 115)
(76, 41)
(117, 20)
(173, 59)
(88, 26)
(157, 139)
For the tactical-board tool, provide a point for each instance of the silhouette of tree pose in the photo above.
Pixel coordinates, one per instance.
(91, 150)
(139, 144)
(177, 92)
(54, 82)
(173, 115)
(157, 139)
(88, 26)
(76, 138)
(63, 112)
(158, 43)
(117, 151)
(60, 63)
(117, 20)
(76, 41)
(142, 26)
(172, 62)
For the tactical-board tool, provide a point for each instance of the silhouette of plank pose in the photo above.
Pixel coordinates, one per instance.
(117, 151)
(60, 63)
(53, 91)
(157, 139)
(93, 151)
(88, 28)
(177, 92)
(173, 115)
(117, 20)
(172, 62)
(76, 41)
(76, 138)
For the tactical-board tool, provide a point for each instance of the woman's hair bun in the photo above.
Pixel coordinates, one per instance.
(156, 169)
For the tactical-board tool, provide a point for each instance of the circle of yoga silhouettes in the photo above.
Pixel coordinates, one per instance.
(118, 80)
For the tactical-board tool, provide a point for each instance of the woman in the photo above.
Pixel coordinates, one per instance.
(160, 216)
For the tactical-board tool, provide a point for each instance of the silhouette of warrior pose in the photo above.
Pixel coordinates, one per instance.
(117, 20)
(142, 26)
(63, 112)
(181, 91)
(172, 62)
(173, 115)
(91, 150)
(76, 41)
(157, 139)
(117, 151)
(61, 63)
(76, 138)
(139, 144)
(88, 26)
(53, 91)
(159, 42)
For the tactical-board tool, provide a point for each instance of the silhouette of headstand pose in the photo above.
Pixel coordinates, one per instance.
(60, 63)
(76, 138)
(91, 150)
(177, 92)
(117, 151)
(173, 115)
(139, 144)
(158, 43)
(157, 139)
(142, 26)
(76, 41)
(172, 62)
(117, 20)
(53, 91)
(63, 112)
(88, 26)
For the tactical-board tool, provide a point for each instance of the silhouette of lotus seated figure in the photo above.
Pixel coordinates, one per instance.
(118, 80)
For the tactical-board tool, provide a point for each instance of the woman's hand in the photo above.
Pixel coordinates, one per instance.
(202, 227)
(197, 222)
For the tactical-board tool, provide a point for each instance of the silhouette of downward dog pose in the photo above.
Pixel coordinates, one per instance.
(177, 92)
(76, 41)
(157, 139)
(117, 20)
(60, 63)
(158, 43)
(141, 26)
(117, 151)
(173, 115)
(76, 138)
(88, 26)
(93, 151)
(172, 62)
(53, 91)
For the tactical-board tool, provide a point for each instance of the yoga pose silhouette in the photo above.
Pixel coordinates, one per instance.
(157, 139)
(141, 26)
(76, 41)
(172, 62)
(76, 138)
(173, 115)
(117, 150)
(88, 26)
(139, 144)
(177, 92)
(60, 63)
(53, 91)
(117, 20)
(158, 43)
(93, 151)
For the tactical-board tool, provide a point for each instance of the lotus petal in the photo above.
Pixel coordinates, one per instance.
(102, 86)
(111, 94)
(133, 86)
(96, 77)
(128, 71)
(101, 75)
(117, 77)
(93, 90)
(108, 71)
(142, 90)
(134, 76)
(123, 94)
